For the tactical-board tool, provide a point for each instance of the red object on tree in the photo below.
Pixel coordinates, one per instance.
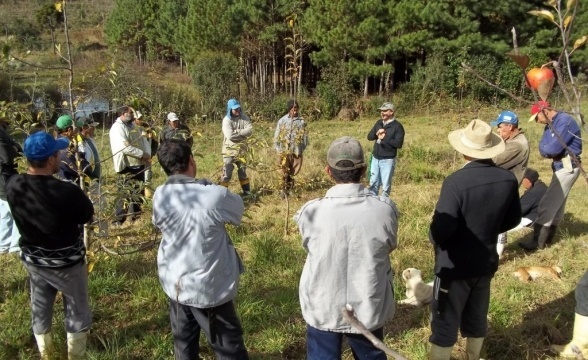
(537, 76)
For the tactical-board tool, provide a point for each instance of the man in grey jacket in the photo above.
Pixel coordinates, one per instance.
(198, 266)
(236, 129)
(348, 259)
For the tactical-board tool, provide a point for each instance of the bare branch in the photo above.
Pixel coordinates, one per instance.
(467, 68)
(349, 316)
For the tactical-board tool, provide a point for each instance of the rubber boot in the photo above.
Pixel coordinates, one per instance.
(579, 339)
(440, 353)
(532, 244)
(499, 250)
(551, 235)
(474, 347)
(544, 236)
(76, 345)
(45, 344)
(245, 186)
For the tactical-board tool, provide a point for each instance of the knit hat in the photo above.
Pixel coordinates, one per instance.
(291, 103)
(345, 148)
(531, 174)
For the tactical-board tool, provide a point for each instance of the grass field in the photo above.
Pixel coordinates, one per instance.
(130, 310)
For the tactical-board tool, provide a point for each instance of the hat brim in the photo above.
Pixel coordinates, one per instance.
(385, 108)
(494, 123)
(60, 144)
(495, 149)
(93, 124)
(235, 107)
(533, 117)
(174, 119)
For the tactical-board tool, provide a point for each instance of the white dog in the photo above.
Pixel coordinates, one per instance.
(417, 292)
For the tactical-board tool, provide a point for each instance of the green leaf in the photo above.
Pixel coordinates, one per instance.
(570, 5)
(552, 3)
(567, 21)
(544, 14)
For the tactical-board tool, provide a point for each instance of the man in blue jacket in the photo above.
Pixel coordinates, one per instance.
(562, 143)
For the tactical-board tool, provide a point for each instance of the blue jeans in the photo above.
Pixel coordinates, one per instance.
(381, 173)
(326, 345)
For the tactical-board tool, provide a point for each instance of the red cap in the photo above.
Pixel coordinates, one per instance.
(538, 107)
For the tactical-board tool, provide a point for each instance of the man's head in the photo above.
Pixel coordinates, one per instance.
(387, 111)
(42, 151)
(507, 123)
(175, 157)
(88, 127)
(233, 108)
(126, 114)
(292, 107)
(541, 112)
(138, 118)
(65, 127)
(476, 141)
(345, 160)
(529, 178)
(173, 120)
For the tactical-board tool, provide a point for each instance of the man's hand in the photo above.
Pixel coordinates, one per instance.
(380, 134)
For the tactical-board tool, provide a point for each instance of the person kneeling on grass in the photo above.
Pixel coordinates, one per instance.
(198, 266)
(348, 259)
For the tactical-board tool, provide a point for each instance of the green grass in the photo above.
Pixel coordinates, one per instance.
(131, 312)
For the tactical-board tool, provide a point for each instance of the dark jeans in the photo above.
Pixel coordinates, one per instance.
(220, 325)
(582, 296)
(129, 181)
(326, 345)
(464, 307)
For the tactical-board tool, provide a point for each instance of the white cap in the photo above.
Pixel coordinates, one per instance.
(172, 116)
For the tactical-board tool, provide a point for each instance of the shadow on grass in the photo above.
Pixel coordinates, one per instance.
(550, 323)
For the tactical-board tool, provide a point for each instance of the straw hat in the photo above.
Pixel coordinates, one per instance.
(477, 140)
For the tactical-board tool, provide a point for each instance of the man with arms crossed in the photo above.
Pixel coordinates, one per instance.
(198, 266)
(477, 202)
(348, 259)
(49, 212)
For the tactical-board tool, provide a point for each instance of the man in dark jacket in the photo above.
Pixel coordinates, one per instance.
(534, 191)
(388, 134)
(9, 150)
(477, 202)
(176, 130)
(48, 213)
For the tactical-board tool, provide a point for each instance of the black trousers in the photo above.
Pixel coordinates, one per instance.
(460, 304)
(220, 325)
(130, 182)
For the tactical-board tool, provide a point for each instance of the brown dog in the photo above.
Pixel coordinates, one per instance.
(529, 273)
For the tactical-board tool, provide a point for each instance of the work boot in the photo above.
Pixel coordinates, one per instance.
(474, 347)
(440, 353)
(45, 344)
(532, 244)
(76, 345)
(579, 339)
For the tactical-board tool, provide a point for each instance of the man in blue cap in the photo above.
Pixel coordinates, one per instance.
(48, 213)
(515, 156)
(236, 129)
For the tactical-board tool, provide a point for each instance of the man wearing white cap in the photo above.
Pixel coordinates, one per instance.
(477, 202)
(175, 129)
(388, 134)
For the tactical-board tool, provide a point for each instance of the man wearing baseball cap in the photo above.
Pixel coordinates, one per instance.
(476, 203)
(69, 164)
(388, 136)
(348, 259)
(236, 129)
(48, 213)
(515, 156)
(562, 143)
(175, 129)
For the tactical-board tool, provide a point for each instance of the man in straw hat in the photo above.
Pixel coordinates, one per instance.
(346, 263)
(562, 143)
(477, 202)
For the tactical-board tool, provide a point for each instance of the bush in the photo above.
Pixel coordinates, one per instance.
(335, 90)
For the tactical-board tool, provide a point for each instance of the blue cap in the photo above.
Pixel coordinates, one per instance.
(233, 104)
(41, 146)
(506, 117)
